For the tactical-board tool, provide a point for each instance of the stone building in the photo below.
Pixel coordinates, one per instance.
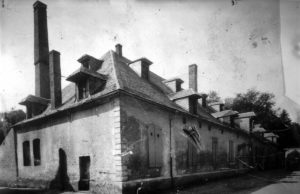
(118, 126)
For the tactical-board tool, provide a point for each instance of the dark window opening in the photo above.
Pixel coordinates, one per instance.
(183, 120)
(231, 151)
(26, 153)
(214, 151)
(82, 90)
(200, 124)
(84, 165)
(193, 105)
(209, 127)
(36, 152)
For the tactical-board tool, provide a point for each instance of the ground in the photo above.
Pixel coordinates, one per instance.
(273, 182)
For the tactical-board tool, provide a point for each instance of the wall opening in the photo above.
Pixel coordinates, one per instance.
(231, 151)
(36, 152)
(214, 151)
(84, 167)
(26, 153)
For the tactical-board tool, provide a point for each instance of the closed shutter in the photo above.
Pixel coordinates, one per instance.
(151, 140)
(158, 147)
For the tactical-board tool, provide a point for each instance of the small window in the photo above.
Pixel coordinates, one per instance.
(209, 127)
(26, 153)
(231, 151)
(214, 151)
(36, 152)
(82, 90)
(199, 123)
(184, 120)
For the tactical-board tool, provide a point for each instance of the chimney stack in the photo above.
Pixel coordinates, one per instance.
(119, 49)
(41, 51)
(193, 77)
(204, 101)
(55, 79)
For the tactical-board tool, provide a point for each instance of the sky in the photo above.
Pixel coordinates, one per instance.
(237, 44)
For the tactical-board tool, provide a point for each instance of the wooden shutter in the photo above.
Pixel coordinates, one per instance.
(151, 145)
(158, 147)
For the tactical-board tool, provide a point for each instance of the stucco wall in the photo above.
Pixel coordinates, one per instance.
(7, 159)
(88, 132)
(138, 117)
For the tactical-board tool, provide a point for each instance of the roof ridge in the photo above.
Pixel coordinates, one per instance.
(114, 63)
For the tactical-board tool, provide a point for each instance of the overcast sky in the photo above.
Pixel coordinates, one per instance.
(237, 44)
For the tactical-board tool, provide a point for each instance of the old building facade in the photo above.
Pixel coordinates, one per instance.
(118, 126)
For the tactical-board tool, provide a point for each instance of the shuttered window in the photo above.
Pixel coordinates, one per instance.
(231, 151)
(155, 147)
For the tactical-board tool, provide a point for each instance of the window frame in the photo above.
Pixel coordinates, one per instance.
(26, 153)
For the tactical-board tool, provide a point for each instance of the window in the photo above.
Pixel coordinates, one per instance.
(155, 146)
(36, 152)
(192, 155)
(84, 167)
(184, 120)
(26, 153)
(231, 151)
(199, 123)
(214, 151)
(193, 102)
(209, 127)
(82, 90)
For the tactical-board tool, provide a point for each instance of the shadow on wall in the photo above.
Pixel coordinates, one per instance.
(61, 180)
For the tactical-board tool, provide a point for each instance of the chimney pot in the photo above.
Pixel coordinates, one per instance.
(55, 79)
(193, 77)
(119, 49)
(204, 102)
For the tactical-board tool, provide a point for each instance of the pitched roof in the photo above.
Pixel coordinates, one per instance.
(120, 76)
(215, 103)
(184, 93)
(247, 114)
(224, 113)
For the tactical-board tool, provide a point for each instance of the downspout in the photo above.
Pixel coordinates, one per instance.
(170, 151)
(16, 152)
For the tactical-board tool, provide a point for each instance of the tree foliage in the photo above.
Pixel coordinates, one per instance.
(8, 119)
(213, 96)
(270, 118)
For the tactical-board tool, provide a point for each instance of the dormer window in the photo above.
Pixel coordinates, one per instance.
(88, 82)
(82, 90)
(35, 105)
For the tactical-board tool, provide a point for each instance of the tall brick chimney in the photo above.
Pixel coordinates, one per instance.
(119, 49)
(55, 79)
(193, 77)
(41, 51)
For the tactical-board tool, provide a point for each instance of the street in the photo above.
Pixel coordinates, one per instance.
(269, 182)
(273, 182)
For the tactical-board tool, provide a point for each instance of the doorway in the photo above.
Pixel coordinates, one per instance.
(84, 167)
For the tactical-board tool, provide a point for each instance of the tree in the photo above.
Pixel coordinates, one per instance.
(213, 96)
(7, 119)
(263, 104)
